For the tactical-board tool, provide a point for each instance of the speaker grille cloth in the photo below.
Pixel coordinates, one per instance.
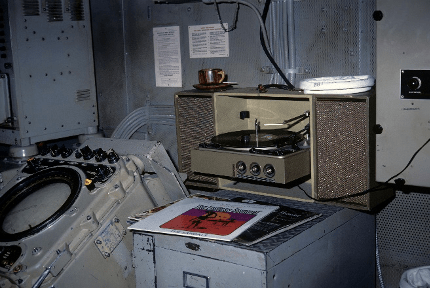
(342, 149)
(195, 125)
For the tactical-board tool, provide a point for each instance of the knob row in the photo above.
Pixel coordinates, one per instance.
(86, 153)
(255, 169)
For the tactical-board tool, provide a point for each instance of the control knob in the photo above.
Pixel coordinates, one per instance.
(112, 157)
(255, 169)
(100, 155)
(65, 152)
(414, 83)
(102, 173)
(55, 151)
(87, 153)
(241, 167)
(269, 170)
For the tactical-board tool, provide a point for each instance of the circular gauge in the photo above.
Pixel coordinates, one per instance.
(38, 201)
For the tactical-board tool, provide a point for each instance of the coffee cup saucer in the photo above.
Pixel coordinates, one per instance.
(212, 87)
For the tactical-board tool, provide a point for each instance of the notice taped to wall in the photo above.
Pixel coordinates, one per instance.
(167, 56)
(208, 41)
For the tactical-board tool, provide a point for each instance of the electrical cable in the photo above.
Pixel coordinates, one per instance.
(143, 116)
(266, 51)
(234, 20)
(263, 34)
(262, 26)
(378, 261)
(373, 189)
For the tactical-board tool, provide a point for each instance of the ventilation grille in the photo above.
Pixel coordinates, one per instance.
(77, 12)
(55, 10)
(342, 149)
(31, 7)
(403, 232)
(195, 124)
(82, 95)
(340, 39)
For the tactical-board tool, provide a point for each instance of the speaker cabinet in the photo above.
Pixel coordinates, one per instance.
(341, 145)
(194, 125)
(344, 150)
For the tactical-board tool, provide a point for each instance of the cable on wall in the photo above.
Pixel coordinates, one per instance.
(380, 187)
(266, 51)
(263, 34)
(142, 116)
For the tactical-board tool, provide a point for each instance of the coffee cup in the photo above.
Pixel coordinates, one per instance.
(211, 76)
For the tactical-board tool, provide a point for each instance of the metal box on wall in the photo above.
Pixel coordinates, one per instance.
(334, 250)
(339, 158)
(46, 54)
(403, 90)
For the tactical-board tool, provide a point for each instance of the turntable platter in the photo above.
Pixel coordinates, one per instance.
(246, 139)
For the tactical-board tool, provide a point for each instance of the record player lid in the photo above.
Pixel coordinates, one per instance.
(273, 138)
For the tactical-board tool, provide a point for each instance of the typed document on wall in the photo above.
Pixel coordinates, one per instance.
(208, 41)
(167, 56)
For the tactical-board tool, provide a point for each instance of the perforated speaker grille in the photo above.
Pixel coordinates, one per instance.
(195, 125)
(342, 149)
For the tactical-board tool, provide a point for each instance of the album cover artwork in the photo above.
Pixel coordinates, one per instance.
(220, 220)
(210, 221)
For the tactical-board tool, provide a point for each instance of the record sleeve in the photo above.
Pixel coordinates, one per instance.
(194, 217)
(282, 219)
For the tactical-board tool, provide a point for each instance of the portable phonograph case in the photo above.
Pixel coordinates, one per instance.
(336, 163)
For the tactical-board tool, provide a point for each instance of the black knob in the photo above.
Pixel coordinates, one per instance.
(241, 167)
(255, 169)
(65, 152)
(55, 151)
(269, 170)
(78, 154)
(414, 83)
(100, 155)
(43, 149)
(112, 157)
(102, 173)
(87, 153)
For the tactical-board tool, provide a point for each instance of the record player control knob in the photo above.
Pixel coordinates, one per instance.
(87, 153)
(269, 170)
(255, 169)
(241, 167)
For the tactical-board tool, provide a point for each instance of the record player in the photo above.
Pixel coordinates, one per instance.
(270, 155)
(280, 143)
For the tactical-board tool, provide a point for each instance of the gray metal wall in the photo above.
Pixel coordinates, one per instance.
(124, 53)
(333, 37)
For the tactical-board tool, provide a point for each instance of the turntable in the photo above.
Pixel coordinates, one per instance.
(270, 155)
